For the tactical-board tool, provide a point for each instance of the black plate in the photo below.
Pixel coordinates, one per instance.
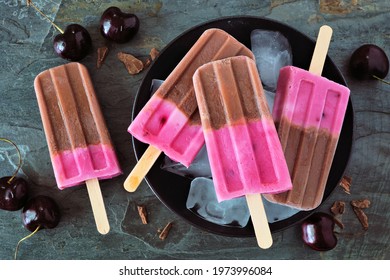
(172, 189)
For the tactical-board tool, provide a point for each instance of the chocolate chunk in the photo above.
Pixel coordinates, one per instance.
(132, 64)
(143, 214)
(147, 62)
(362, 217)
(102, 53)
(357, 206)
(153, 53)
(346, 184)
(339, 223)
(362, 204)
(338, 208)
(164, 233)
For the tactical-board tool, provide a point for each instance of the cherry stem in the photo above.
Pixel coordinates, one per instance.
(30, 3)
(383, 81)
(19, 155)
(24, 238)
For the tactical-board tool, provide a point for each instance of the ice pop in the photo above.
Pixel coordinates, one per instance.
(79, 143)
(308, 111)
(244, 150)
(170, 121)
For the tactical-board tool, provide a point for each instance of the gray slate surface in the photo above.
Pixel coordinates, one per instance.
(26, 49)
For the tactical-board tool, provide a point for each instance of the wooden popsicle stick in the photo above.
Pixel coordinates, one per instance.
(141, 168)
(259, 220)
(98, 208)
(321, 50)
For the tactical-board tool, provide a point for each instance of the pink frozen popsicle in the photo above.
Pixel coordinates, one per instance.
(309, 111)
(79, 143)
(244, 150)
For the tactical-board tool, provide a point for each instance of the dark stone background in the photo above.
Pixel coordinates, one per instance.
(26, 50)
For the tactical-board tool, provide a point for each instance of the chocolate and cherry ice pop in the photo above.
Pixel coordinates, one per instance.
(79, 143)
(170, 121)
(244, 150)
(308, 111)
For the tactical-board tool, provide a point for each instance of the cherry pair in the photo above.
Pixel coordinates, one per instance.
(74, 43)
(38, 212)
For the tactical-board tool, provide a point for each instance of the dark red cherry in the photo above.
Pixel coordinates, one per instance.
(74, 44)
(41, 211)
(368, 61)
(13, 193)
(118, 26)
(318, 232)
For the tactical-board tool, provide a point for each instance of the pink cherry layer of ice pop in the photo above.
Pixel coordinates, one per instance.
(81, 164)
(255, 171)
(168, 129)
(305, 109)
(180, 135)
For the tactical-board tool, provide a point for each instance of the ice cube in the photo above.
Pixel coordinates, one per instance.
(200, 166)
(156, 83)
(272, 52)
(202, 200)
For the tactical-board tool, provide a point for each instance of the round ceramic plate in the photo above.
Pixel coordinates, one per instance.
(173, 189)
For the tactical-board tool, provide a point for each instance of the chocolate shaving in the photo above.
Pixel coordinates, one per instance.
(147, 62)
(102, 53)
(132, 64)
(164, 233)
(143, 214)
(153, 53)
(338, 222)
(338, 208)
(362, 204)
(345, 183)
(363, 219)
(357, 206)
